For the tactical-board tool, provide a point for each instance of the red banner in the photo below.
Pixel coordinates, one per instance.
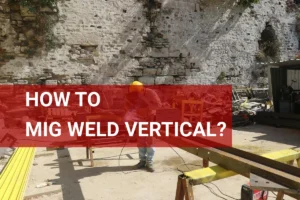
(112, 116)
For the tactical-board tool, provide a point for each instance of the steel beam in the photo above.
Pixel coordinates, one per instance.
(245, 167)
(244, 163)
(214, 173)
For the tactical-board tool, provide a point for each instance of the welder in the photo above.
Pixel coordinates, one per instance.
(141, 105)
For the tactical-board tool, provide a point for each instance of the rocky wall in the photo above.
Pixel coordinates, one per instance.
(156, 42)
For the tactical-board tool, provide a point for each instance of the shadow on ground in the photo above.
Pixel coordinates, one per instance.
(69, 178)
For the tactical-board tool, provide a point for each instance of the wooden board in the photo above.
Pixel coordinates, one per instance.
(206, 175)
(14, 177)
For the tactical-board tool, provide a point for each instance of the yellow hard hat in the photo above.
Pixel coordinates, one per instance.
(136, 86)
(137, 83)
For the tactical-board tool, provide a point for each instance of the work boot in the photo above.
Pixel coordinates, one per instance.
(150, 167)
(140, 165)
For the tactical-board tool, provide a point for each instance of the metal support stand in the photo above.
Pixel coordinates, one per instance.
(184, 189)
(259, 183)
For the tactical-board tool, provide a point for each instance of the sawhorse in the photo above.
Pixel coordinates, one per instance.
(184, 189)
(90, 156)
(209, 174)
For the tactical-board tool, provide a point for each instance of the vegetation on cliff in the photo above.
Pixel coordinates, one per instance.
(248, 2)
(34, 5)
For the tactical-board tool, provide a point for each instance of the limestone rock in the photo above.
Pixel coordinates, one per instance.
(148, 62)
(16, 16)
(29, 18)
(149, 72)
(30, 33)
(164, 80)
(134, 72)
(47, 10)
(147, 80)
(25, 12)
(159, 53)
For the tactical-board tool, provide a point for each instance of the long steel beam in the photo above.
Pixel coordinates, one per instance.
(216, 172)
(244, 163)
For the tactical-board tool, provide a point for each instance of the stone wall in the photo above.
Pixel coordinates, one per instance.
(157, 42)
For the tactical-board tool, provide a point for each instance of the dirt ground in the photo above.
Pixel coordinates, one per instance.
(73, 179)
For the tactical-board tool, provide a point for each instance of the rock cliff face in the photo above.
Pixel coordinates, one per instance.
(154, 41)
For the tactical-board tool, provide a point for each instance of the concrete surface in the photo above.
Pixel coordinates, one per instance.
(107, 180)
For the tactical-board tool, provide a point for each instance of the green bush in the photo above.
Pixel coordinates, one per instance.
(269, 45)
(247, 2)
(44, 36)
(33, 5)
(261, 56)
(221, 77)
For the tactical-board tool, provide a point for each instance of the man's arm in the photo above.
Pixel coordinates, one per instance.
(153, 99)
(128, 104)
(157, 101)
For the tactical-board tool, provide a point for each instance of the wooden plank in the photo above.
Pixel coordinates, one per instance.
(30, 159)
(283, 156)
(205, 163)
(280, 196)
(189, 195)
(8, 172)
(92, 157)
(14, 177)
(87, 153)
(210, 174)
(180, 189)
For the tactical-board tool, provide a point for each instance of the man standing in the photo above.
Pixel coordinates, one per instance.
(141, 106)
